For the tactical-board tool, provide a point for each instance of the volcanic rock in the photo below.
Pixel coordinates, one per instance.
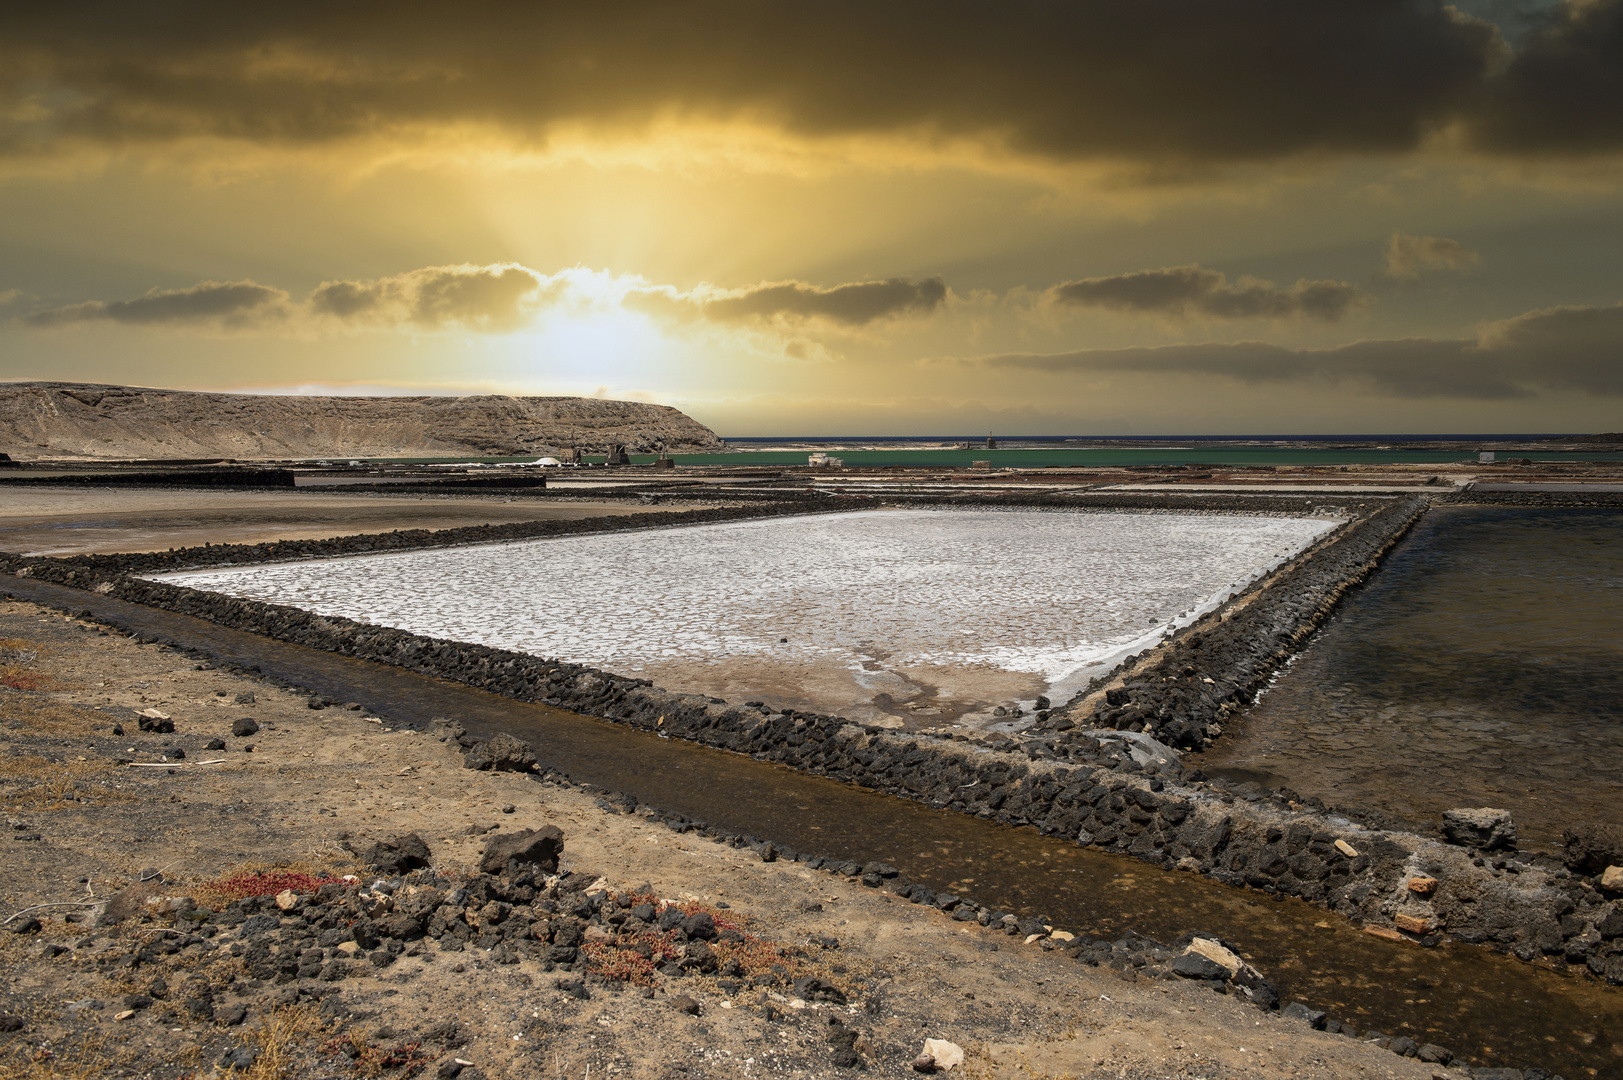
(532, 847)
(1591, 847)
(396, 856)
(1483, 828)
(501, 754)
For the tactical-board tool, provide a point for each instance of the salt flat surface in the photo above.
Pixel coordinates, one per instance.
(951, 610)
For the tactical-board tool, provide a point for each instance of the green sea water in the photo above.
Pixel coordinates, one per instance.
(1090, 457)
(1040, 458)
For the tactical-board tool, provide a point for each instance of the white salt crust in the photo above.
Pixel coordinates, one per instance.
(1058, 595)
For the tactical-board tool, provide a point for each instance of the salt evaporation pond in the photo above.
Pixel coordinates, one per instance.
(903, 617)
(1483, 666)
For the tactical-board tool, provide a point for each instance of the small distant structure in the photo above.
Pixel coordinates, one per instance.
(821, 460)
(664, 461)
(1485, 457)
(617, 455)
(983, 466)
(991, 443)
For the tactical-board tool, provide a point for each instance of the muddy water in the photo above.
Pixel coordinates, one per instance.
(1490, 1008)
(1483, 666)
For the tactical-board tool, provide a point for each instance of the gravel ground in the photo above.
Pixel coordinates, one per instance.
(320, 785)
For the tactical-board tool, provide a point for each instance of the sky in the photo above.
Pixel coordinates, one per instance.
(1100, 217)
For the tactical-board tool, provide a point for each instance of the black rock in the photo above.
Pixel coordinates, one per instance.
(684, 1004)
(1404, 1046)
(231, 1015)
(1432, 1054)
(528, 847)
(27, 926)
(1195, 966)
(501, 754)
(243, 726)
(811, 988)
(239, 1058)
(10, 1022)
(255, 925)
(1297, 1011)
(215, 744)
(700, 926)
(1592, 847)
(397, 856)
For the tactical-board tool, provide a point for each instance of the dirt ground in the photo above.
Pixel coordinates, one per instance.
(83, 521)
(880, 693)
(80, 1001)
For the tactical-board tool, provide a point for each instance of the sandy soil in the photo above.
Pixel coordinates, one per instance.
(903, 697)
(79, 521)
(82, 825)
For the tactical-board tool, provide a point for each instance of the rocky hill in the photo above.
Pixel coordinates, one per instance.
(85, 420)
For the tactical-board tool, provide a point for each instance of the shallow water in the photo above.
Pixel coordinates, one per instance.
(1488, 1007)
(1482, 666)
(832, 611)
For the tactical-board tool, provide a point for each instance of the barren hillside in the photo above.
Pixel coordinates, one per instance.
(53, 420)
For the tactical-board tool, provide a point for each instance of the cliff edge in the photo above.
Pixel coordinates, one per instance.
(87, 420)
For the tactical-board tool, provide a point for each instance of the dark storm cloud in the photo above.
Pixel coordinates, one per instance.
(1194, 290)
(1578, 348)
(855, 304)
(1563, 90)
(1572, 348)
(225, 302)
(482, 297)
(1161, 80)
(503, 296)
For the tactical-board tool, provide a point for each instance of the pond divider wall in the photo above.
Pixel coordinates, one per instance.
(1061, 782)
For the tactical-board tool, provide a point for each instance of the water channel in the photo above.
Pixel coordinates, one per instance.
(1489, 1008)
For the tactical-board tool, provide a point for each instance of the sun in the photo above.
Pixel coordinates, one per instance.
(596, 345)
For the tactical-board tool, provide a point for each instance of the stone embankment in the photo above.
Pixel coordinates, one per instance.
(1081, 787)
(225, 477)
(1218, 666)
(1541, 499)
